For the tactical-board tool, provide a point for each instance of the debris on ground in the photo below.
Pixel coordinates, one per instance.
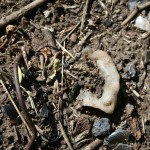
(75, 74)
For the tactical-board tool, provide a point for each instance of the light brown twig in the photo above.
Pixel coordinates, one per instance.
(135, 11)
(17, 14)
(63, 49)
(59, 112)
(70, 32)
(84, 15)
(94, 145)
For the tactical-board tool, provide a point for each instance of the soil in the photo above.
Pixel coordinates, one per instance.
(56, 101)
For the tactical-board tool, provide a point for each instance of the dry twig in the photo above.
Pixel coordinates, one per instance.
(83, 40)
(84, 15)
(17, 14)
(94, 145)
(63, 49)
(104, 7)
(59, 113)
(70, 32)
(135, 11)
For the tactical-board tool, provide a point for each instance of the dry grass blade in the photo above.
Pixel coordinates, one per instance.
(23, 120)
(59, 113)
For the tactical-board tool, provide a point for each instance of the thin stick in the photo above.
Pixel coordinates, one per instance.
(4, 43)
(84, 15)
(85, 38)
(17, 14)
(68, 72)
(15, 106)
(59, 113)
(104, 7)
(65, 135)
(63, 49)
(142, 120)
(94, 145)
(135, 11)
(70, 32)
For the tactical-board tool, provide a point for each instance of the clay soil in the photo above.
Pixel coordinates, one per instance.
(56, 101)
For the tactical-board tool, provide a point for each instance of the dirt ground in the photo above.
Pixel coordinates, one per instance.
(51, 78)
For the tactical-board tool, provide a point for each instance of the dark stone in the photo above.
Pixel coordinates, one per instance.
(44, 111)
(101, 127)
(10, 111)
(107, 22)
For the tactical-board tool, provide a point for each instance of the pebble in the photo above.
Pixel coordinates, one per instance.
(10, 111)
(73, 37)
(107, 22)
(116, 137)
(44, 111)
(101, 127)
(65, 96)
(131, 69)
(123, 147)
(46, 13)
(133, 3)
(129, 109)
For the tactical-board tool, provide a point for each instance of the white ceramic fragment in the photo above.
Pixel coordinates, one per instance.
(142, 23)
(46, 13)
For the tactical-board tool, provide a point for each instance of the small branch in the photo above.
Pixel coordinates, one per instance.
(135, 11)
(94, 145)
(83, 40)
(84, 15)
(70, 32)
(63, 49)
(17, 14)
(59, 110)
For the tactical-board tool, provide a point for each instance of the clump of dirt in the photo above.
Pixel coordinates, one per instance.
(53, 70)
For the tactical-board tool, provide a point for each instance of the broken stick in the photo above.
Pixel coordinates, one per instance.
(135, 11)
(17, 14)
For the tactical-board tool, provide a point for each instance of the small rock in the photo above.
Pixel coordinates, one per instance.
(116, 137)
(131, 69)
(129, 109)
(44, 111)
(123, 147)
(73, 37)
(107, 22)
(46, 13)
(142, 23)
(10, 111)
(133, 3)
(65, 96)
(101, 127)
